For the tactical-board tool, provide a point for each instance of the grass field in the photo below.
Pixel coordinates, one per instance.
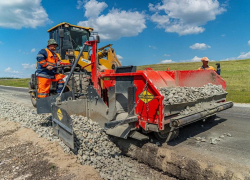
(15, 82)
(235, 73)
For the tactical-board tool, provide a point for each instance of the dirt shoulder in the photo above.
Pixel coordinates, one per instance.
(38, 154)
(25, 156)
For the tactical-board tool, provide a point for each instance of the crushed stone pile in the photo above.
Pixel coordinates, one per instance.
(96, 149)
(177, 95)
(92, 146)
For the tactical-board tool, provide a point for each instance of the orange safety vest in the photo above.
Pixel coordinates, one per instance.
(207, 68)
(51, 60)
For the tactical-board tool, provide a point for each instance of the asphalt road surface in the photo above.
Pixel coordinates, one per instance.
(230, 132)
(20, 95)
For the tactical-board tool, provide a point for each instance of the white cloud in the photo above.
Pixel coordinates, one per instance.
(160, 20)
(244, 56)
(28, 66)
(119, 57)
(115, 24)
(248, 42)
(185, 16)
(166, 61)
(79, 4)
(200, 46)
(229, 59)
(9, 70)
(1, 42)
(196, 59)
(33, 50)
(166, 55)
(22, 13)
(94, 8)
(153, 47)
(223, 35)
(151, 7)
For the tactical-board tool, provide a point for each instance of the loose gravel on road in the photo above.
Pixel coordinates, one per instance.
(92, 146)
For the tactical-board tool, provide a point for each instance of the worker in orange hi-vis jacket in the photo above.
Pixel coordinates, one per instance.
(47, 60)
(205, 66)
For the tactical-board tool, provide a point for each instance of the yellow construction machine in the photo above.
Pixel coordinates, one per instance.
(71, 39)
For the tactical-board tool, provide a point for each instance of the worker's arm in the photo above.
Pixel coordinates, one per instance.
(41, 59)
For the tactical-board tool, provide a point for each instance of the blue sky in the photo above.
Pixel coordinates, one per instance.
(142, 32)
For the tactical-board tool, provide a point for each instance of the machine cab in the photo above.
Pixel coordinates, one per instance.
(70, 39)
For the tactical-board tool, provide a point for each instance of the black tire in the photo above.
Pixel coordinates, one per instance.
(32, 81)
(210, 118)
(163, 135)
(33, 99)
(32, 95)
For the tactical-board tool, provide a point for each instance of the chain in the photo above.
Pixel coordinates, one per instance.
(145, 87)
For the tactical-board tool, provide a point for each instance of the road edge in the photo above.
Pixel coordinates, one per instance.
(14, 87)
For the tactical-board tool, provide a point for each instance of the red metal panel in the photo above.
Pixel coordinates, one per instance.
(149, 101)
(153, 111)
(150, 112)
(170, 81)
(196, 78)
(155, 78)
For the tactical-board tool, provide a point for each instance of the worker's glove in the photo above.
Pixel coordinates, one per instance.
(49, 67)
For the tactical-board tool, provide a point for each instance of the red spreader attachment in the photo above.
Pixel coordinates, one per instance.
(125, 101)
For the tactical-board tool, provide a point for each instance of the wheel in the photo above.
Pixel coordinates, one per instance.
(164, 135)
(210, 118)
(33, 99)
(32, 95)
(78, 81)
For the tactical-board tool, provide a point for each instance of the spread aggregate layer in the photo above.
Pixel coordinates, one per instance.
(178, 95)
(92, 146)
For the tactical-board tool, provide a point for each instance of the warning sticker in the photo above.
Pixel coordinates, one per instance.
(59, 114)
(146, 96)
(84, 60)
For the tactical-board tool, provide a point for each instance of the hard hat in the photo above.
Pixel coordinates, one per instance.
(204, 59)
(52, 41)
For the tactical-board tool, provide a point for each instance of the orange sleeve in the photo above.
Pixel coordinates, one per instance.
(212, 68)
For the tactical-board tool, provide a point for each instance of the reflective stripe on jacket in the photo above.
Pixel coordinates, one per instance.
(46, 57)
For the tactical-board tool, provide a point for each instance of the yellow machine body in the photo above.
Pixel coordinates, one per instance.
(106, 55)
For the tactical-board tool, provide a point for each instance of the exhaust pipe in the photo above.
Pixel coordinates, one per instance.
(178, 122)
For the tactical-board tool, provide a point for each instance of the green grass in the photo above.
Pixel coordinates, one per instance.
(235, 73)
(15, 82)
